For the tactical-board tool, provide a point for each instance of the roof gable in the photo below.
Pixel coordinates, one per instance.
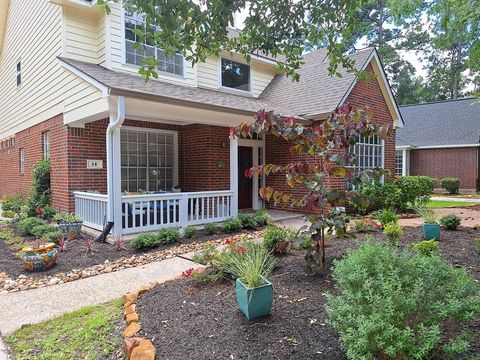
(444, 123)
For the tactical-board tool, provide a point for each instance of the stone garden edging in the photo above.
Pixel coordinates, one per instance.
(24, 282)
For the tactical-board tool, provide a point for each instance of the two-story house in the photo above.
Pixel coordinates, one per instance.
(146, 155)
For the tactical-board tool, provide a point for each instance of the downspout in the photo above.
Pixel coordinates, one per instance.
(116, 122)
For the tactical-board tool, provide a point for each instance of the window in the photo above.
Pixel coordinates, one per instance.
(148, 160)
(19, 72)
(22, 161)
(46, 144)
(399, 162)
(235, 75)
(172, 64)
(368, 152)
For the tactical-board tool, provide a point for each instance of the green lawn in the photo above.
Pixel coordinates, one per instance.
(444, 203)
(90, 333)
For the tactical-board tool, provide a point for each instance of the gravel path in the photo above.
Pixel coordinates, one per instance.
(34, 306)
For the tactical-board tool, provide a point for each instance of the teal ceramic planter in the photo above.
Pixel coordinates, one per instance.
(255, 302)
(431, 231)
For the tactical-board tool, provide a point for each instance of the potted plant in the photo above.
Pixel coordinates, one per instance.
(431, 226)
(39, 255)
(254, 291)
(69, 223)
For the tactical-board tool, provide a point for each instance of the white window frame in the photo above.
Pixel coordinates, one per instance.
(257, 181)
(18, 72)
(367, 154)
(46, 144)
(175, 149)
(399, 156)
(226, 88)
(22, 160)
(124, 52)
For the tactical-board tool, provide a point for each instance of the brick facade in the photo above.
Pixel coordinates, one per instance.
(203, 158)
(363, 93)
(461, 163)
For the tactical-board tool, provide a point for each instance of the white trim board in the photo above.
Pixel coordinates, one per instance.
(438, 146)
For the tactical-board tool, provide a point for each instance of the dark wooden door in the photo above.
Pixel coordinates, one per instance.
(244, 183)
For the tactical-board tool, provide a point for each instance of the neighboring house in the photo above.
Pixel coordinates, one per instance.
(69, 90)
(441, 139)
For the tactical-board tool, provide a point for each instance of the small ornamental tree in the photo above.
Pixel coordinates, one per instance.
(326, 145)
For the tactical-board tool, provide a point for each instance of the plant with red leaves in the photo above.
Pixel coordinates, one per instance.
(119, 242)
(62, 244)
(88, 245)
(323, 153)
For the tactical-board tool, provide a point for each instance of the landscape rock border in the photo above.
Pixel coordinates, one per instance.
(136, 348)
(24, 282)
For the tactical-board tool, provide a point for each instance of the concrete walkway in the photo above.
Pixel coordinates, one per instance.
(448, 198)
(34, 306)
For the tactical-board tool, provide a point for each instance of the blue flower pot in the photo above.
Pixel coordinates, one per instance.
(431, 231)
(255, 302)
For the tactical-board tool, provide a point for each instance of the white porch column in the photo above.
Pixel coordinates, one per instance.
(404, 163)
(234, 173)
(117, 183)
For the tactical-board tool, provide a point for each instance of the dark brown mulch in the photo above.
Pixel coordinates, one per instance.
(203, 321)
(76, 258)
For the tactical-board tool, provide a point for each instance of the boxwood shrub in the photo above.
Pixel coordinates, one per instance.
(27, 225)
(450, 222)
(231, 225)
(452, 185)
(39, 230)
(400, 305)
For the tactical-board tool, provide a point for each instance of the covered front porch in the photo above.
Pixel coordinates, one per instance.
(167, 173)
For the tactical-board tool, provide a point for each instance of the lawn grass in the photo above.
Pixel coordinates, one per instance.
(445, 203)
(89, 333)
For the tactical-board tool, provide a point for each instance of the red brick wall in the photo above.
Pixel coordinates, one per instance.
(363, 93)
(203, 163)
(461, 163)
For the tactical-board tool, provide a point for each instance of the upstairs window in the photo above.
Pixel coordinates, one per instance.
(46, 144)
(172, 64)
(19, 72)
(235, 75)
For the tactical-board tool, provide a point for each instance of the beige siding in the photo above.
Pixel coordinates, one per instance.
(117, 59)
(34, 34)
(84, 39)
(262, 74)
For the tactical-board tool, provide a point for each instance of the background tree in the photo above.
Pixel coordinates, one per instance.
(326, 146)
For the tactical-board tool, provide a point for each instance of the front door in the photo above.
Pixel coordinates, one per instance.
(244, 183)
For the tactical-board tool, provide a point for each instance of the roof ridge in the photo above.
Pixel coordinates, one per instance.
(438, 101)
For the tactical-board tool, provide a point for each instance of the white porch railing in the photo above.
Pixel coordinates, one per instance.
(91, 208)
(154, 211)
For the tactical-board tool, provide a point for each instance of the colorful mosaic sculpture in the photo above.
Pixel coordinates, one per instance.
(39, 256)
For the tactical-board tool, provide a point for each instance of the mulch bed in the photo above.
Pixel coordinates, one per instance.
(187, 321)
(76, 258)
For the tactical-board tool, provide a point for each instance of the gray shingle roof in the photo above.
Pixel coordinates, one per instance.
(120, 81)
(316, 92)
(453, 122)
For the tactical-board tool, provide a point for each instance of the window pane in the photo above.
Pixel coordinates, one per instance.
(235, 75)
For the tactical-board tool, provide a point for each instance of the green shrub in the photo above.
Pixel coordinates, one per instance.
(206, 255)
(189, 232)
(210, 229)
(48, 212)
(274, 236)
(12, 204)
(261, 217)
(66, 218)
(231, 225)
(53, 236)
(9, 214)
(248, 221)
(40, 194)
(386, 216)
(426, 247)
(39, 230)
(452, 185)
(393, 231)
(168, 235)
(27, 225)
(450, 222)
(396, 305)
(362, 225)
(146, 240)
